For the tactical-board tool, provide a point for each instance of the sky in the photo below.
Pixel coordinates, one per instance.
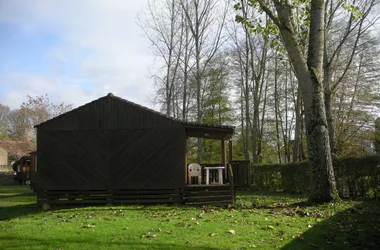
(73, 51)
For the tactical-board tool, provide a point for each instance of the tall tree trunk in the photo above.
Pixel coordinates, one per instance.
(329, 117)
(257, 80)
(242, 105)
(185, 29)
(276, 109)
(198, 79)
(246, 94)
(297, 132)
(261, 134)
(323, 187)
(310, 79)
(285, 130)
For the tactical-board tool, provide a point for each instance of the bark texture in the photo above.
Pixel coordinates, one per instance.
(310, 77)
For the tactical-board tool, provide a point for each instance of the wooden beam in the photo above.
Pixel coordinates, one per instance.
(230, 150)
(185, 160)
(223, 153)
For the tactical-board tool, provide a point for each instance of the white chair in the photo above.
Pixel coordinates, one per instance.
(194, 169)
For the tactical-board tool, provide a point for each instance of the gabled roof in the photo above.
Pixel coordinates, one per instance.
(188, 125)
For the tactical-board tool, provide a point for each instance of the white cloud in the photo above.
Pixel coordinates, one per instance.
(24, 84)
(99, 50)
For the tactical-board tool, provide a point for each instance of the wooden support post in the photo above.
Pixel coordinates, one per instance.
(230, 150)
(186, 160)
(223, 153)
(224, 159)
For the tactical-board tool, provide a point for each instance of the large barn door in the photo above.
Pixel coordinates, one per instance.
(147, 159)
(74, 160)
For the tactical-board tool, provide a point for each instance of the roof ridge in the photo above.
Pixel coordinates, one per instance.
(167, 116)
(110, 95)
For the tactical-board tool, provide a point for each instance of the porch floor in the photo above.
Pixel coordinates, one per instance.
(209, 185)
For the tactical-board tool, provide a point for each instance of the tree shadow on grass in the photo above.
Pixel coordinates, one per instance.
(16, 195)
(76, 242)
(355, 228)
(11, 212)
(16, 202)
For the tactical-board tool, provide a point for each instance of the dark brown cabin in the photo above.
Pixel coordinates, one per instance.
(114, 151)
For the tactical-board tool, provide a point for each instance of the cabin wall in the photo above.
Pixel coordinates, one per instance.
(145, 159)
(110, 144)
(71, 160)
(113, 159)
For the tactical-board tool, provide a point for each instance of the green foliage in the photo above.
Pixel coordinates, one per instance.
(212, 151)
(290, 177)
(355, 177)
(268, 30)
(295, 177)
(238, 148)
(353, 10)
(358, 176)
(216, 110)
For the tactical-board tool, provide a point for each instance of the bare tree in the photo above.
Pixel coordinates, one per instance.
(162, 24)
(37, 110)
(205, 19)
(241, 57)
(19, 127)
(346, 24)
(252, 51)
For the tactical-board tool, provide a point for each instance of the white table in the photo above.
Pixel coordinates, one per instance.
(220, 174)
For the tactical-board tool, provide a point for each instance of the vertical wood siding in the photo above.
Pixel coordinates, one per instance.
(110, 144)
(143, 159)
(72, 160)
(110, 113)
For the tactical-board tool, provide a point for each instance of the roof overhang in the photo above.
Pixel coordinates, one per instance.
(208, 132)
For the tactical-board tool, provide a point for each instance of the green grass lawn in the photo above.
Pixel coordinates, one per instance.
(259, 220)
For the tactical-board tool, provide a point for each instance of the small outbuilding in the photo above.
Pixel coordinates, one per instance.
(22, 170)
(115, 151)
(12, 151)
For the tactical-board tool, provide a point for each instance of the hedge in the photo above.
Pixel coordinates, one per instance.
(355, 177)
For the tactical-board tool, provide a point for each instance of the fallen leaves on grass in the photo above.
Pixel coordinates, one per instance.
(200, 215)
(149, 235)
(118, 213)
(88, 226)
(231, 231)
(183, 224)
(73, 216)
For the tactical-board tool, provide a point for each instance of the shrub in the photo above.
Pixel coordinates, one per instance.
(355, 177)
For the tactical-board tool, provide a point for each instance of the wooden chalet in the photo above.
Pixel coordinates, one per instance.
(115, 151)
(22, 169)
(12, 155)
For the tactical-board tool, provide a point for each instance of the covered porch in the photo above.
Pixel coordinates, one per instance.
(199, 174)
